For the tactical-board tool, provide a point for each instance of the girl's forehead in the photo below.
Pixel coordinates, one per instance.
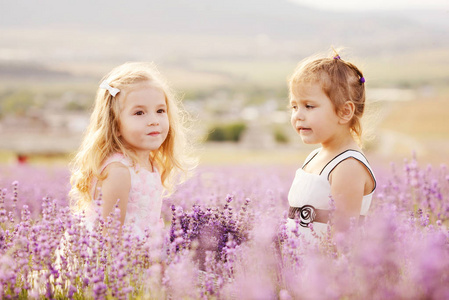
(146, 84)
(142, 90)
(306, 89)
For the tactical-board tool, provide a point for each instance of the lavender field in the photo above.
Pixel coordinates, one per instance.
(224, 238)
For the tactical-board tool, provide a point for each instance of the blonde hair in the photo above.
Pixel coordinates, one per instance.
(340, 80)
(101, 138)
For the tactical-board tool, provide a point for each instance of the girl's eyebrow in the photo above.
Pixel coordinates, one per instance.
(137, 106)
(143, 105)
(305, 99)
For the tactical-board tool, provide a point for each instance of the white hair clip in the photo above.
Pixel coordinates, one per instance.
(105, 85)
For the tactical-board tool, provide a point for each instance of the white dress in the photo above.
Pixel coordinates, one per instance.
(143, 209)
(309, 195)
(145, 197)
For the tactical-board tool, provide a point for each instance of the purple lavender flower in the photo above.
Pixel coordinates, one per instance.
(226, 245)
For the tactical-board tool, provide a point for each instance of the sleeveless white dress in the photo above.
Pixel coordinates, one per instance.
(145, 197)
(309, 194)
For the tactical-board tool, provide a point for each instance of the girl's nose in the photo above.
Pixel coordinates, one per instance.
(298, 115)
(153, 123)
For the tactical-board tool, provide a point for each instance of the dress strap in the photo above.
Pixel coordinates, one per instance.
(311, 156)
(327, 170)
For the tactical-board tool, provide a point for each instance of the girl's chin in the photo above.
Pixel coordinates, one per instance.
(308, 141)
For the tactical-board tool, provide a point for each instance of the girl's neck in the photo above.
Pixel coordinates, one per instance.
(144, 161)
(340, 143)
(146, 164)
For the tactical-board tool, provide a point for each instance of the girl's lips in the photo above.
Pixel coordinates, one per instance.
(304, 131)
(154, 133)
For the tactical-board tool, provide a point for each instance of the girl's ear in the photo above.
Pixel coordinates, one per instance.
(347, 112)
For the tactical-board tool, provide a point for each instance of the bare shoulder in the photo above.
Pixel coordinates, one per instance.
(116, 187)
(351, 168)
(117, 174)
(353, 171)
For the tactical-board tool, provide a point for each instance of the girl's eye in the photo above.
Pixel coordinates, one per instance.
(161, 111)
(294, 107)
(139, 113)
(309, 106)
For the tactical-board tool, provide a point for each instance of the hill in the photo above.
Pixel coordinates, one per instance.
(274, 18)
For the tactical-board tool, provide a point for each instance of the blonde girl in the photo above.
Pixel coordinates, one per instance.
(132, 149)
(327, 99)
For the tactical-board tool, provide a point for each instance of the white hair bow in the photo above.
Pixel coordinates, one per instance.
(105, 85)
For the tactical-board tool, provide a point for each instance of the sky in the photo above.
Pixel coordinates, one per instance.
(363, 5)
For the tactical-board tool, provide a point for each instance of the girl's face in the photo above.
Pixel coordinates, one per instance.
(144, 121)
(313, 114)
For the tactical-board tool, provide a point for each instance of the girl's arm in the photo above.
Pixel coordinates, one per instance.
(349, 181)
(116, 186)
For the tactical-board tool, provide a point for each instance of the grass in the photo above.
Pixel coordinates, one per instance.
(268, 73)
(9, 157)
(423, 119)
(424, 67)
(230, 154)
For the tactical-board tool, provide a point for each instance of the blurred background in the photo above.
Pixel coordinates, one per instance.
(229, 61)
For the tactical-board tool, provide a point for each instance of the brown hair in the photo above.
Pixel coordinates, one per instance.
(340, 80)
